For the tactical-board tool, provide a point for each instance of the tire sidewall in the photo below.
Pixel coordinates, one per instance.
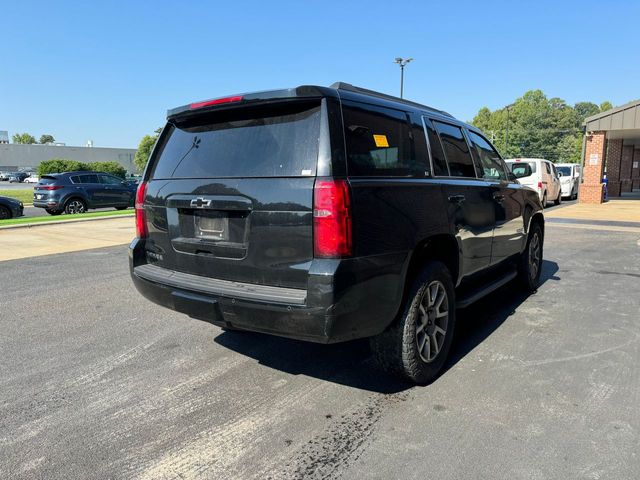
(7, 211)
(416, 369)
(525, 269)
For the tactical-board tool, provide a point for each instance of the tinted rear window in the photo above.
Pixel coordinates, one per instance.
(47, 180)
(279, 142)
(513, 165)
(456, 150)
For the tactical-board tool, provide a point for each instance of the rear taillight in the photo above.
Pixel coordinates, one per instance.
(141, 217)
(49, 187)
(331, 219)
(540, 185)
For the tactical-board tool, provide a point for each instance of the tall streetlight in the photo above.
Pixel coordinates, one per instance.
(402, 62)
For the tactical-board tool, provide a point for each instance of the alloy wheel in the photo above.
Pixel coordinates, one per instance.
(431, 324)
(75, 206)
(534, 255)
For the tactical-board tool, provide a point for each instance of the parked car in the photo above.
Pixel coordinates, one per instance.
(4, 176)
(76, 192)
(32, 179)
(540, 175)
(570, 174)
(10, 208)
(17, 177)
(329, 214)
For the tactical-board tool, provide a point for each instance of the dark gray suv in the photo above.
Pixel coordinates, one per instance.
(76, 192)
(329, 214)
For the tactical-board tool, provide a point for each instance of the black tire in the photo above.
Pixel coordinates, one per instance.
(75, 205)
(398, 350)
(53, 212)
(121, 208)
(5, 213)
(529, 277)
(558, 200)
(544, 200)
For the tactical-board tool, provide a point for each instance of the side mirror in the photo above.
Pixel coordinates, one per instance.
(559, 174)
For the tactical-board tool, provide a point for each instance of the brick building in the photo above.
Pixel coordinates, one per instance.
(612, 142)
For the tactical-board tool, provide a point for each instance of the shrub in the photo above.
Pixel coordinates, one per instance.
(114, 168)
(59, 165)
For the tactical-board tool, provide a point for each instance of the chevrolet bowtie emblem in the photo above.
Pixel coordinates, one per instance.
(200, 202)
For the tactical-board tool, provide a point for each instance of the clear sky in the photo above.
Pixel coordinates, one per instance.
(108, 71)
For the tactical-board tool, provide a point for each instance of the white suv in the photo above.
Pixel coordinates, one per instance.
(570, 174)
(540, 175)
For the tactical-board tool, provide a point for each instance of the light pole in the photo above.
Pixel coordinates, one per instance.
(402, 62)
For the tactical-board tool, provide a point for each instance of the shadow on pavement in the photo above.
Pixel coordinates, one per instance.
(477, 322)
(350, 363)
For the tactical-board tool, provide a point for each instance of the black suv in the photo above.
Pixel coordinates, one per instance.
(329, 214)
(76, 192)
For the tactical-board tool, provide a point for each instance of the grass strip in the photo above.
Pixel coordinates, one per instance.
(25, 196)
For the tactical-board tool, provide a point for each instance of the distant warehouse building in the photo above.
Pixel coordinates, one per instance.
(15, 156)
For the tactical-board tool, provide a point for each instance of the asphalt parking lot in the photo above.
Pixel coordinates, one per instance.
(96, 382)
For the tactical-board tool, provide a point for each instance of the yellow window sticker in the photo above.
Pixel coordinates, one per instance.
(381, 140)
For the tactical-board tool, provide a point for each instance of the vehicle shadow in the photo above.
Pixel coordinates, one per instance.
(351, 363)
(477, 322)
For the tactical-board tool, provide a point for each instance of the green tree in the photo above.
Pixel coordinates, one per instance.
(23, 138)
(144, 149)
(604, 106)
(537, 126)
(586, 109)
(114, 168)
(59, 165)
(46, 138)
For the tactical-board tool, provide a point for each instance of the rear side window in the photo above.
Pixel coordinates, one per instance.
(490, 161)
(547, 167)
(379, 142)
(88, 178)
(456, 150)
(109, 180)
(274, 141)
(437, 153)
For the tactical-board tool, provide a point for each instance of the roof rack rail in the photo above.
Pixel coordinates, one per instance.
(352, 88)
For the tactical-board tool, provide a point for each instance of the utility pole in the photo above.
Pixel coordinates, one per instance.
(506, 140)
(402, 62)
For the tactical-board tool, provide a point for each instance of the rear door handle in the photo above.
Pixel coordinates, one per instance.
(498, 197)
(457, 198)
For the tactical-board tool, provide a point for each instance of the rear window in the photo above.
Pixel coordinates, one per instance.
(513, 166)
(47, 180)
(276, 142)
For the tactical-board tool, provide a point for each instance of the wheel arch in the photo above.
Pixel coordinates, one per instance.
(443, 248)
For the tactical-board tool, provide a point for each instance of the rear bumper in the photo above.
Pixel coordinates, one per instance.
(344, 299)
(46, 204)
(567, 189)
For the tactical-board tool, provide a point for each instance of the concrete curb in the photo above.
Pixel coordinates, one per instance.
(73, 220)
